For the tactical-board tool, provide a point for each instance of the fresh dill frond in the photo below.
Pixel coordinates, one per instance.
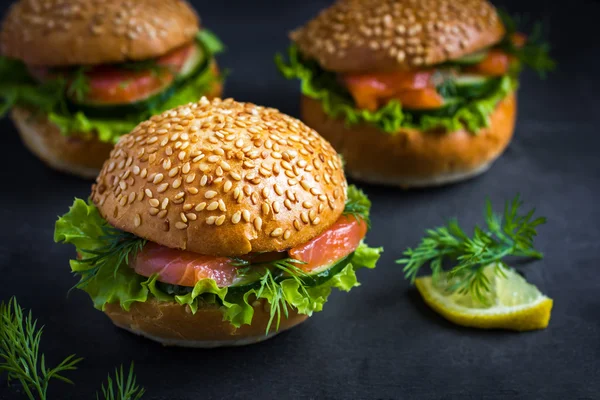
(20, 355)
(121, 387)
(79, 86)
(509, 235)
(357, 204)
(120, 247)
(535, 52)
(272, 274)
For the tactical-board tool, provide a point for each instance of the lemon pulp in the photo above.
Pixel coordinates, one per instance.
(512, 302)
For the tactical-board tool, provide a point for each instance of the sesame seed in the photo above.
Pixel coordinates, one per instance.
(180, 225)
(219, 221)
(210, 194)
(137, 220)
(200, 206)
(236, 217)
(258, 223)
(191, 216)
(246, 215)
(276, 232)
(154, 202)
(265, 208)
(162, 187)
(213, 206)
(307, 204)
(157, 178)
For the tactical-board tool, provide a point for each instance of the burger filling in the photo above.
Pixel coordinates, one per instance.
(118, 267)
(460, 93)
(110, 100)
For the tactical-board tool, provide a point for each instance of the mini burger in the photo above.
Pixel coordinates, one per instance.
(76, 75)
(412, 93)
(216, 224)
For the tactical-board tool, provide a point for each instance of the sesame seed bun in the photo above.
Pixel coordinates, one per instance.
(222, 178)
(84, 32)
(412, 158)
(386, 35)
(174, 325)
(79, 154)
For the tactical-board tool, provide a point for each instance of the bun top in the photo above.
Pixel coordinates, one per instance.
(87, 32)
(388, 35)
(222, 178)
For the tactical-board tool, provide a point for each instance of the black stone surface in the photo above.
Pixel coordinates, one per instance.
(379, 341)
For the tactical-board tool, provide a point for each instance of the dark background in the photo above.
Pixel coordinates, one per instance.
(379, 341)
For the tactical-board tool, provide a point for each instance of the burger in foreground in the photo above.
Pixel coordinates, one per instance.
(218, 223)
(77, 75)
(412, 93)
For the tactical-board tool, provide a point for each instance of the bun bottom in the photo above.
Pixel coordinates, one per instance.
(172, 324)
(73, 154)
(77, 154)
(411, 158)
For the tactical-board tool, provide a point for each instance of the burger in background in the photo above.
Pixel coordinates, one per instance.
(412, 93)
(218, 223)
(77, 75)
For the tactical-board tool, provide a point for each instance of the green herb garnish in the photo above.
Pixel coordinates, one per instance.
(358, 204)
(20, 358)
(273, 272)
(20, 355)
(121, 388)
(79, 85)
(510, 235)
(535, 53)
(119, 248)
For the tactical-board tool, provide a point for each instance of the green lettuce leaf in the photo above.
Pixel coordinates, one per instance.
(323, 86)
(19, 88)
(83, 227)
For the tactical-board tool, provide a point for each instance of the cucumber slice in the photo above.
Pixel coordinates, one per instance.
(472, 86)
(315, 278)
(471, 59)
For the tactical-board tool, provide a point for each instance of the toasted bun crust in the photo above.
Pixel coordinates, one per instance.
(174, 325)
(386, 35)
(411, 158)
(78, 154)
(75, 154)
(84, 32)
(222, 178)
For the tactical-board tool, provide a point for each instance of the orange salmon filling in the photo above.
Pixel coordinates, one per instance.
(185, 268)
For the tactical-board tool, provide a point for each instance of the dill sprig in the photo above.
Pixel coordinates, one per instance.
(122, 388)
(509, 235)
(20, 355)
(273, 273)
(79, 85)
(120, 247)
(535, 52)
(357, 204)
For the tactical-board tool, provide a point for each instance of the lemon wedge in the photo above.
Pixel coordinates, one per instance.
(512, 303)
